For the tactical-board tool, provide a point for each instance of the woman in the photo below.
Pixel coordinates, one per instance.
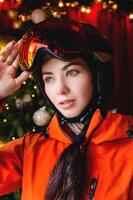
(86, 152)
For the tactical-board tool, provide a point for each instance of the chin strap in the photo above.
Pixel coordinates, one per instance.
(101, 107)
(75, 129)
(97, 103)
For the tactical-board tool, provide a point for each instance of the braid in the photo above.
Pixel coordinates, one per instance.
(67, 178)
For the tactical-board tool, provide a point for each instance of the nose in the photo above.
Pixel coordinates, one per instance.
(62, 88)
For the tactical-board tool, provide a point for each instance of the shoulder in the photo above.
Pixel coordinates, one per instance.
(115, 127)
(24, 141)
(119, 122)
(112, 140)
(33, 138)
(120, 118)
(119, 131)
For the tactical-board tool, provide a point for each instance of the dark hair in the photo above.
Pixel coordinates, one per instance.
(67, 179)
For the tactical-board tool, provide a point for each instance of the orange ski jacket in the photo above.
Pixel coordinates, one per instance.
(26, 163)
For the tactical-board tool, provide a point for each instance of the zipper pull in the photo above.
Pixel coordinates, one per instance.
(93, 186)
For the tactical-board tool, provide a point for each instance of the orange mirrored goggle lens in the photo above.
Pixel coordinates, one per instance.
(28, 51)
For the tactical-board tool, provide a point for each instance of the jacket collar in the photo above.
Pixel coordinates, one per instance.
(113, 127)
(56, 132)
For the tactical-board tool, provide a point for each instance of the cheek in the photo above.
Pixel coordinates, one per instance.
(85, 87)
(88, 89)
(49, 92)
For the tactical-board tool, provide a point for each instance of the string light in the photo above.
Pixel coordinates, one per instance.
(33, 95)
(7, 106)
(83, 9)
(22, 18)
(16, 24)
(76, 3)
(19, 1)
(33, 129)
(88, 10)
(35, 87)
(114, 6)
(55, 13)
(104, 6)
(12, 13)
(73, 5)
(61, 4)
(24, 83)
(13, 138)
(108, 5)
(111, 2)
(4, 120)
(48, 3)
(130, 17)
(68, 4)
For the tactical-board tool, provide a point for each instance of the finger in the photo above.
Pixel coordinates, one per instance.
(15, 63)
(11, 70)
(12, 56)
(6, 51)
(21, 78)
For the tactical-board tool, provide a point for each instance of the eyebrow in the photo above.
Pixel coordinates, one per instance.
(64, 68)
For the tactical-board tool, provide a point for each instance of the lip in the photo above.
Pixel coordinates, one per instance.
(66, 104)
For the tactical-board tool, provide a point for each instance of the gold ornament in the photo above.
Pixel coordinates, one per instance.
(27, 99)
(38, 15)
(41, 117)
(19, 103)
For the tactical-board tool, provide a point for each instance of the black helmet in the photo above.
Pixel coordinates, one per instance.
(66, 39)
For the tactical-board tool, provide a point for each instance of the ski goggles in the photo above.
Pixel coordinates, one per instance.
(63, 40)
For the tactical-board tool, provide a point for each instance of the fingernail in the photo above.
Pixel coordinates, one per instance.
(12, 42)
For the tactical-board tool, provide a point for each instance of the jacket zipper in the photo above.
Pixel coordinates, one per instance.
(92, 190)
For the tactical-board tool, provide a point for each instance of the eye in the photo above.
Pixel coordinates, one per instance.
(48, 79)
(72, 72)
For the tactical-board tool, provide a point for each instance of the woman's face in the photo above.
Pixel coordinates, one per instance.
(68, 85)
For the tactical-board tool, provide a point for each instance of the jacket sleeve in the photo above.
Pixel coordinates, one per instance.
(11, 156)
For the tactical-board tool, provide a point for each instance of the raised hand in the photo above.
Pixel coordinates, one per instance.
(9, 62)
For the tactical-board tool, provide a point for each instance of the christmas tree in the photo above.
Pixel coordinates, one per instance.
(23, 112)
